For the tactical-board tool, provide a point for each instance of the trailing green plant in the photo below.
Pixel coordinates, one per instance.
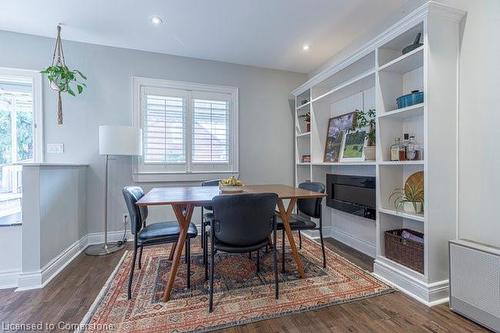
(367, 120)
(64, 79)
(411, 193)
(306, 116)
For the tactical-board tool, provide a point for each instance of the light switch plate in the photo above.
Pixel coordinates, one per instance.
(55, 148)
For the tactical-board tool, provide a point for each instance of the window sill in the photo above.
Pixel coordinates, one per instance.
(151, 177)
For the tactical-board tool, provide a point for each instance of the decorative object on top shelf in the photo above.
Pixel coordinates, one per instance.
(306, 158)
(367, 120)
(337, 126)
(416, 44)
(410, 199)
(231, 185)
(415, 97)
(307, 120)
(304, 102)
(62, 78)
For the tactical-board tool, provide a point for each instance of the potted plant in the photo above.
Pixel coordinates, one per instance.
(307, 120)
(410, 199)
(366, 120)
(61, 78)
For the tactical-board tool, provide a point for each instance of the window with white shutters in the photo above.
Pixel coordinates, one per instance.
(188, 129)
(210, 131)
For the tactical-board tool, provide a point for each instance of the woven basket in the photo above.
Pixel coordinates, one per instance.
(405, 251)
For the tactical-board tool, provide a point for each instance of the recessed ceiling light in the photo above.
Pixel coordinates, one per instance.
(305, 47)
(156, 20)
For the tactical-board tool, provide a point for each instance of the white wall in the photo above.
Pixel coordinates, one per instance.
(10, 261)
(266, 121)
(479, 118)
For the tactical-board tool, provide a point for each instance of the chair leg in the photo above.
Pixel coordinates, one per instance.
(275, 264)
(186, 253)
(188, 256)
(202, 239)
(250, 255)
(300, 240)
(322, 247)
(140, 257)
(212, 267)
(131, 273)
(283, 251)
(205, 250)
(258, 261)
(172, 251)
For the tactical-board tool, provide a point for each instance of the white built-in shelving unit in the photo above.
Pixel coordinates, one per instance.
(374, 77)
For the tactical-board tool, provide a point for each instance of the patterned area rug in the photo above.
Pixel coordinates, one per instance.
(241, 294)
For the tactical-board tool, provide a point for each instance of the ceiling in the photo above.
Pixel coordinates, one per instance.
(264, 33)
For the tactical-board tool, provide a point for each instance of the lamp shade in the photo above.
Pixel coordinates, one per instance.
(120, 140)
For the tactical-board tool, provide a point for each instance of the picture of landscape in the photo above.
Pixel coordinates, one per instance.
(337, 126)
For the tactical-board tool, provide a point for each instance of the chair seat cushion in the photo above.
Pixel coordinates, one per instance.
(239, 248)
(297, 223)
(166, 231)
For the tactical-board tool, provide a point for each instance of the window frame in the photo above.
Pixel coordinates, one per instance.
(35, 78)
(161, 173)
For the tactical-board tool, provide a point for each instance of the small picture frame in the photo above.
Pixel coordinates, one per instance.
(353, 146)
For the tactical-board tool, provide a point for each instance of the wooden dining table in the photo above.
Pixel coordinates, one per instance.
(184, 199)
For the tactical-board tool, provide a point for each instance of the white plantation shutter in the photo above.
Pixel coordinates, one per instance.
(187, 128)
(210, 143)
(164, 130)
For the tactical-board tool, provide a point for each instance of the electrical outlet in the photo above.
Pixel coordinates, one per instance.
(55, 148)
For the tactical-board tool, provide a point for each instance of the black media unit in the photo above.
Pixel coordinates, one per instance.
(352, 194)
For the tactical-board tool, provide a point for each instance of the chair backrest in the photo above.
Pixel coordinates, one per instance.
(214, 182)
(311, 207)
(244, 219)
(137, 214)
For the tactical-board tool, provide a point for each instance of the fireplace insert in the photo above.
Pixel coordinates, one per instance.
(352, 194)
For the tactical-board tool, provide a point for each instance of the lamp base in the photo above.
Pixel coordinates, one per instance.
(103, 249)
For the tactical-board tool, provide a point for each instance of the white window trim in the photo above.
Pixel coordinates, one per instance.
(36, 81)
(191, 176)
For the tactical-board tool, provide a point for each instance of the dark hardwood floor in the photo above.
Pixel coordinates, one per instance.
(68, 297)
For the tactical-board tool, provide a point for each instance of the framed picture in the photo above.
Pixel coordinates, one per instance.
(353, 147)
(337, 126)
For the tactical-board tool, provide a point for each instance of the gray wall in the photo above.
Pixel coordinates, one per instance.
(266, 121)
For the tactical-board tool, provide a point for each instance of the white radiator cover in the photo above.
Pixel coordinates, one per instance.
(475, 282)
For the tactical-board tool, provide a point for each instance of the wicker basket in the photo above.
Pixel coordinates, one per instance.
(405, 251)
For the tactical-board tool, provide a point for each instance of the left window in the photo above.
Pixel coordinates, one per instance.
(190, 131)
(20, 136)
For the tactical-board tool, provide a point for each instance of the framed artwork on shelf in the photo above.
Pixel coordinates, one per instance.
(353, 148)
(337, 126)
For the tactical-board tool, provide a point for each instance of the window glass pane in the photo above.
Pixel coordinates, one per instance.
(164, 130)
(16, 144)
(210, 131)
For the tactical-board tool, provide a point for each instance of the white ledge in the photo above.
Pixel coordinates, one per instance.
(29, 164)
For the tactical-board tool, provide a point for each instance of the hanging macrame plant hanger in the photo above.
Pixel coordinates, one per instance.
(58, 60)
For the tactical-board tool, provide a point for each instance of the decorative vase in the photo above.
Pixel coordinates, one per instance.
(413, 207)
(370, 153)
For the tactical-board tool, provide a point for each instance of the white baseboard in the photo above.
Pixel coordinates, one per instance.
(429, 294)
(9, 279)
(356, 243)
(39, 279)
(113, 236)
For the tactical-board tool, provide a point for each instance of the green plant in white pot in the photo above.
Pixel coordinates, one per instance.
(366, 120)
(61, 78)
(409, 199)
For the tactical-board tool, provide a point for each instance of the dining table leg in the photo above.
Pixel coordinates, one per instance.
(183, 213)
(285, 215)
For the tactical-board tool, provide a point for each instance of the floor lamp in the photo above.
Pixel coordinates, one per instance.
(114, 140)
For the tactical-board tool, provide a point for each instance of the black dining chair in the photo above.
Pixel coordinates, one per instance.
(152, 234)
(242, 223)
(206, 215)
(307, 209)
